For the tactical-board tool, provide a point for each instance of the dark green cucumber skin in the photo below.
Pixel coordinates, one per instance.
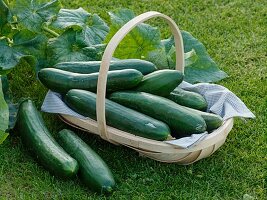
(213, 121)
(188, 99)
(88, 67)
(181, 121)
(118, 116)
(160, 82)
(62, 81)
(36, 137)
(92, 169)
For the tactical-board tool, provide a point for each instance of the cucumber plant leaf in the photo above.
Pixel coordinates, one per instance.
(34, 44)
(5, 85)
(164, 58)
(199, 67)
(13, 107)
(71, 17)
(11, 57)
(33, 14)
(139, 42)
(4, 115)
(3, 14)
(66, 48)
(204, 69)
(94, 29)
(190, 57)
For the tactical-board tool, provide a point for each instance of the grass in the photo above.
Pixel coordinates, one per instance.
(234, 33)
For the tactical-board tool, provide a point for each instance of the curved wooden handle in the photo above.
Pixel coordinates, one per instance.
(107, 56)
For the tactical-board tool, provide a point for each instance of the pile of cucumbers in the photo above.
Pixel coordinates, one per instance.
(140, 99)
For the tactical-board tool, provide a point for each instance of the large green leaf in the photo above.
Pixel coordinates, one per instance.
(4, 116)
(199, 67)
(164, 57)
(94, 29)
(3, 14)
(139, 42)
(71, 17)
(144, 42)
(67, 47)
(34, 13)
(11, 57)
(34, 44)
(204, 69)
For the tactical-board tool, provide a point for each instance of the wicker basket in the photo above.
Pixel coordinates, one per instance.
(153, 149)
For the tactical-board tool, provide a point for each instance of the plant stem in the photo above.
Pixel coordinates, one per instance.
(51, 31)
(10, 41)
(7, 2)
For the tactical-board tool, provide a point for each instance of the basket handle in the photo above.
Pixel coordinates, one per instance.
(107, 56)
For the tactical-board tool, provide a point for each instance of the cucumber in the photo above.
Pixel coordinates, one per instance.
(181, 121)
(93, 170)
(36, 137)
(118, 116)
(213, 121)
(160, 82)
(62, 81)
(188, 99)
(88, 67)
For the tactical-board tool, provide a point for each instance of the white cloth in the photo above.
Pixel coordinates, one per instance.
(220, 100)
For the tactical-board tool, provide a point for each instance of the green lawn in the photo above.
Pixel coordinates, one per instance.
(235, 34)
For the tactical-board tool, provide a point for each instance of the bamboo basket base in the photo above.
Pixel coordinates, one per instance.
(158, 150)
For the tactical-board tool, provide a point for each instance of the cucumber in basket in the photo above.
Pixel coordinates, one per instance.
(188, 99)
(43, 146)
(118, 116)
(160, 82)
(62, 81)
(87, 67)
(181, 121)
(92, 169)
(213, 121)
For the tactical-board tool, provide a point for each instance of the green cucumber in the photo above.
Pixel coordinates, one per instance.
(118, 116)
(160, 82)
(188, 99)
(87, 67)
(36, 137)
(180, 120)
(62, 81)
(213, 121)
(93, 171)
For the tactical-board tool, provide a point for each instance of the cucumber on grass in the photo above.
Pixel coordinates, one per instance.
(93, 171)
(118, 116)
(62, 81)
(36, 137)
(87, 67)
(181, 121)
(188, 99)
(160, 82)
